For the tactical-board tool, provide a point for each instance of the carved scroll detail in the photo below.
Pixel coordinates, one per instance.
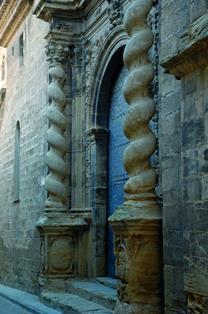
(142, 179)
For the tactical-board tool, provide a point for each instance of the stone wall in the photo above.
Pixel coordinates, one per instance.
(195, 187)
(183, 143)
(25, 102)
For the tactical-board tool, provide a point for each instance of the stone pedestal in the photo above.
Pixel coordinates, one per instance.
(60, 237)
(138, 260)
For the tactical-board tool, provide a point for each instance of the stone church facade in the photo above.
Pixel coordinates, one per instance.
(103, 151)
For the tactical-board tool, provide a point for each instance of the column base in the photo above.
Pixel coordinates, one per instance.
(62, 237)
(138, 251)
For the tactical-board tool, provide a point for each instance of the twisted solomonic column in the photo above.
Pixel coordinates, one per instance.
(142, 179)
(57, 167)
(57, 225)
(137, 223)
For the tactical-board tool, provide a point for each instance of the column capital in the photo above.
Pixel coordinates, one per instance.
(58, 46)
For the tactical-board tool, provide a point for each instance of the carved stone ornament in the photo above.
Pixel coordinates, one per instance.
(121, 258)
(57, 52)
(61, 255)
(115, 12)
(57, 253)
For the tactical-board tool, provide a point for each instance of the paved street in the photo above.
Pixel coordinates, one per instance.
(7, 307)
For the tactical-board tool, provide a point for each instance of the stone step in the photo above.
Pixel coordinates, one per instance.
(27, 301)
(70, 303)
(94, 291)
(108, 282)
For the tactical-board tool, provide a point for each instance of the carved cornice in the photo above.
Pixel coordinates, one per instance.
(46, 9)
(12, 13)
(192, 51)
(75, 9)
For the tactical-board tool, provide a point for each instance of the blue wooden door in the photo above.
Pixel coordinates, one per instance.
(117, 175)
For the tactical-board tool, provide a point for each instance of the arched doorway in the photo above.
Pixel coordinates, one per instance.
(108, 83)
(117, 175)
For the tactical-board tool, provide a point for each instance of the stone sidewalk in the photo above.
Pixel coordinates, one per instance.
(14, 301)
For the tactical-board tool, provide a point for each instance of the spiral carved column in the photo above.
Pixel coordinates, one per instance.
(56, 163)
(56, 226)
(137, 223)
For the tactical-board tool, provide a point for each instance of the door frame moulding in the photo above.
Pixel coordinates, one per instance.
(109, 61)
